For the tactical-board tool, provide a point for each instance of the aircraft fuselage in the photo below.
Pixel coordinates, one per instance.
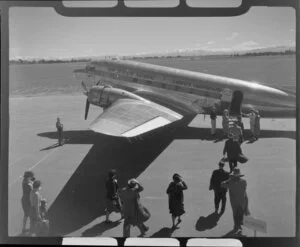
(195, 90)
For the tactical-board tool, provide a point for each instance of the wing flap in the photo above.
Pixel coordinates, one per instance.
(148, 126)
(131, 118)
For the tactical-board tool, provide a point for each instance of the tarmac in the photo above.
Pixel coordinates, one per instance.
(73, 175)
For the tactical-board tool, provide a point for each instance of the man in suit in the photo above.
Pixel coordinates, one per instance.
(59, 127)
(219, 176)
(238, 197)
(233, 149)
(213, 119)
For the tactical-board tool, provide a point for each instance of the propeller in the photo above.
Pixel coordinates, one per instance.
(87, 107)
(85, 88)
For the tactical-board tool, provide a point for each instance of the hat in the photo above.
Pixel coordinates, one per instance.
(132, 183)
(28, 174)
(176, 175)
(36, 184)
(112, 173)
(222, 162)
(236, 173)
(43, 201)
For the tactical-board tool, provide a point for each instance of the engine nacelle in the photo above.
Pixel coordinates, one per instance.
(104, 96)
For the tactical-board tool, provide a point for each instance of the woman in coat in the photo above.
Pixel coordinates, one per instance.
(35, 201)
(175, 192)
(135, 214)
(26, 188)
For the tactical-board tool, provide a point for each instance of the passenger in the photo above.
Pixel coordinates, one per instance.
(240, 125)
(225, 122)
(35, 201)
(238, 197)
(134, 213)
(175, 192)
(43, 226)
(233, 149)
(213, 117)
(59, 127)
(43, 208)
(219, 176)
(252, 123)
(256, 125)
(27, 188)
(113, 202)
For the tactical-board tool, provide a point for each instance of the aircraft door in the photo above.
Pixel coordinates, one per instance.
(236, 103)
(226, 95)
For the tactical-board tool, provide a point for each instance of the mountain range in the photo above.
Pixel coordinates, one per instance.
(189, 52)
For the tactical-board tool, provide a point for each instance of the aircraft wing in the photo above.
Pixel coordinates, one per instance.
(129, 118)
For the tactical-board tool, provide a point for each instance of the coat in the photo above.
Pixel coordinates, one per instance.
(134, 212)
(218, 176)
(176, 198)
(237, 194)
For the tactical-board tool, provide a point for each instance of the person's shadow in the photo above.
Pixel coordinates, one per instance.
(164, 232)
(208, 222)
(233, 234)
(98, 229)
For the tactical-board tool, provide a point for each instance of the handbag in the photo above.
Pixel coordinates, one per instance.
(42, 227)
(242, 158)
(143, 213)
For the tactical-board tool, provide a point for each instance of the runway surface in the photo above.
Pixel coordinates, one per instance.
(73, 175)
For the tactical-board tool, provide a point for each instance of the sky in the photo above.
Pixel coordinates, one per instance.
(43, 33)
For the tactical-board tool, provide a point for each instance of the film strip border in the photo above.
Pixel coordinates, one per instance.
(152, 242)
(181, 10)
(133, 241)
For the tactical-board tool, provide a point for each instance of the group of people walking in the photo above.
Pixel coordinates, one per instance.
(237, 125)
(127, 202)
(221, 181)
(34, 206)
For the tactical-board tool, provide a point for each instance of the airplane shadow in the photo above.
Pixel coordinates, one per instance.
(98, 229)
(208, 222)
(83, 197)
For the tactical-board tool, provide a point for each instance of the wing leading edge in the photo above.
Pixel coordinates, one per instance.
(129, 118)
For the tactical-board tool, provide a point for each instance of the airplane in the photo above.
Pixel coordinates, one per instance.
(138, 97)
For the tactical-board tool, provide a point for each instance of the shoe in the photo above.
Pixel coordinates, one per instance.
(179, 221)
(174, 227)
(146, 228)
